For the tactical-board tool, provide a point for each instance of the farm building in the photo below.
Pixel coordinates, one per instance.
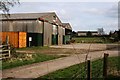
(32, 29)
(85, 33)
(68, 32)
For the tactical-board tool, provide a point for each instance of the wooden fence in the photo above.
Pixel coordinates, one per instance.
(4, 51)
(104, 69)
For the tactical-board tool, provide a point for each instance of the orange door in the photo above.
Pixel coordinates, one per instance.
(22, 39)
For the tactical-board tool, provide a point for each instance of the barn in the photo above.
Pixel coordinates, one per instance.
(68, 33)
(32, 29)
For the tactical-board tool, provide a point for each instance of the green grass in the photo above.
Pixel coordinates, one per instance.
(91, 40)
(35, 48)
(36, 58)
(70, 71)
(63, 73)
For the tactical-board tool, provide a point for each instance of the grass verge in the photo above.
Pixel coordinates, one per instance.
(79, 70)
(11, 63)
(35, 48)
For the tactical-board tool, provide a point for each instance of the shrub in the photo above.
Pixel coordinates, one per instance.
(72, 41)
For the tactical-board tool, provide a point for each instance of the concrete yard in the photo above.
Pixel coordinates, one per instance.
(88, 46)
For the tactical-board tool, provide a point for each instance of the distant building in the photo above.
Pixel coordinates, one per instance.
(101, 31)
(84, 33)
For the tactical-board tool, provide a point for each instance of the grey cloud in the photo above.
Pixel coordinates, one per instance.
(112, 12)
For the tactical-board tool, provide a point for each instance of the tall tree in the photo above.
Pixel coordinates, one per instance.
(5, 6)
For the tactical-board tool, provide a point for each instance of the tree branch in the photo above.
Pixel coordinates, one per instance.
(5, 6)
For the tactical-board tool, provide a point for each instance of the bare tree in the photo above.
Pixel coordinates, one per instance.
(5, 6)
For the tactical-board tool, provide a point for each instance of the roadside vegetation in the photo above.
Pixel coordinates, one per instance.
(24, 58)
(96, 66)
(92, 40)
(112, 37)
(34, 48)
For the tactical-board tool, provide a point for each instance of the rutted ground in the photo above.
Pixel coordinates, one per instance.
(55, 51)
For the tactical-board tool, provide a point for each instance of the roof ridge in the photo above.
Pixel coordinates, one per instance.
(32, 13)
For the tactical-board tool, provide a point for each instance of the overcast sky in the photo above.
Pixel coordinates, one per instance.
(81, 15)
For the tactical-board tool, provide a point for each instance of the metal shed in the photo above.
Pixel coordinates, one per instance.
(39, 28)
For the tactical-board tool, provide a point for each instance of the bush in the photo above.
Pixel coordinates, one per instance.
(72, 41)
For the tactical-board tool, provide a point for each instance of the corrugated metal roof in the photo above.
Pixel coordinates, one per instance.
(25, 15)
(47, 16)
(67, 26)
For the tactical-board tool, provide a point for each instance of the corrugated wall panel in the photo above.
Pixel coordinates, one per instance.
(13, 38)
(38, 27)
(11, 26)
(60, 35)
(5, 26)
(0, 38)
(47, 34)
(40, 39)
(18, 26)
(54, 34)
(63, 30)
(37, 39)
(64, 39)
(54, 30)
(54, 39)
(17, 39)
(29, 26)
(22, 39)
(33, 26)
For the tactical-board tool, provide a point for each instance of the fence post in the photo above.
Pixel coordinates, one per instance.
(88, 70)
(105, 65)
(9, 51)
